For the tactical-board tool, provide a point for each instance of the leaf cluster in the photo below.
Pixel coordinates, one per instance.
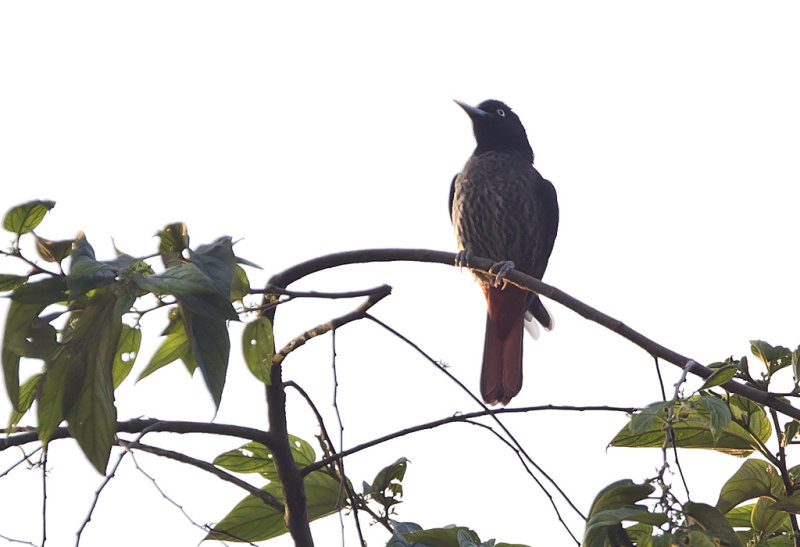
(80, 321)
(755, 505)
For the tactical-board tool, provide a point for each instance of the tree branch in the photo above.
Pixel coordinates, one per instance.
(298, 271)
(151, 425)
(455, 419)
(375, 296)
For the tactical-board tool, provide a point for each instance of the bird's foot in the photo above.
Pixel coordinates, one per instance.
(500, 270)
(462, 258)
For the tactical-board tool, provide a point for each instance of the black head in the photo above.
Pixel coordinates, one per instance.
(497, 128)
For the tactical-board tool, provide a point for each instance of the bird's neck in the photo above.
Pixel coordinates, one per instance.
(525, 152)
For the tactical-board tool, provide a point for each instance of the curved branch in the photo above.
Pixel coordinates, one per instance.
(285, 278)
(152, 425)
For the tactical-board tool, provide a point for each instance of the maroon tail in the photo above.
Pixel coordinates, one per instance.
(501, 375)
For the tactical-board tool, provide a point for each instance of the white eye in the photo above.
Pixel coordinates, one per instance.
(501, 112)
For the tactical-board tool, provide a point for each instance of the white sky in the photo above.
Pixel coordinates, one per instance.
(669, 130)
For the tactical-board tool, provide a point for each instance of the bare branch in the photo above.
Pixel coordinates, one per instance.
(21, 541)
(285, 278)
(457, 419)
(374, 297)
(274, 289)
(151, 425)
(289, 476)
(522, 460)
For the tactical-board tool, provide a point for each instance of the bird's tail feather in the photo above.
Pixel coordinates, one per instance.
(501, 373)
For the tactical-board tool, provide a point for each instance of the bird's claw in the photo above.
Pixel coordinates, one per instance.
(463, 257)
(500, 270)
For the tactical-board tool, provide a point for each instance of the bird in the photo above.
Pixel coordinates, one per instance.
(503, 209)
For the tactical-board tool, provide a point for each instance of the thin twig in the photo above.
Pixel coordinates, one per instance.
(97, 493)
(358, 313)
(25, 458)
(329, 448)
(21, 541)
(519, 455)
(105, 482)
(203, 527)
(493, 416)
(263, 495)
(660, 379)
(44, 497)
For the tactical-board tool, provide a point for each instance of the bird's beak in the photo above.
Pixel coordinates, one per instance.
(472, 111)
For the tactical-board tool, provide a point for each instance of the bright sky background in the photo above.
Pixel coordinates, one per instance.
(670, 131)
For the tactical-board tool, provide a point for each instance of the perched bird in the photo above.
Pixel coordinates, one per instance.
(503, 209)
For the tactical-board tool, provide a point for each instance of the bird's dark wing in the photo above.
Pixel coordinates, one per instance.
(549, 225)
(452, 193)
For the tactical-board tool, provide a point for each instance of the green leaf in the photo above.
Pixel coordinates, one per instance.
(18, 330)
(440, 537)
(218, 262)
(173, 240)
(741, 517)
(790, 430)
(754, 479)
(175, 346)
(607, 524)
(60, 387)
(639, 532)
(621, 493)
(712, 521)
(258, 347)
(766, 518)
(240, 286)
(85, 272)
(24, 218)
(700, 538)
(720, 376)
(386, 488)
(256, 458)
(643, 420)
(790, 504)
(9, 282)
(27, 394)
(795, 360)
(184, 278)
(719, 411)
(696, 429)
(775, 358)
(50, 290)
(664, 540)
(54, 251)
(211, 347)
(252, 520)
(614, 504)
(129, 341)
(92, 420)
